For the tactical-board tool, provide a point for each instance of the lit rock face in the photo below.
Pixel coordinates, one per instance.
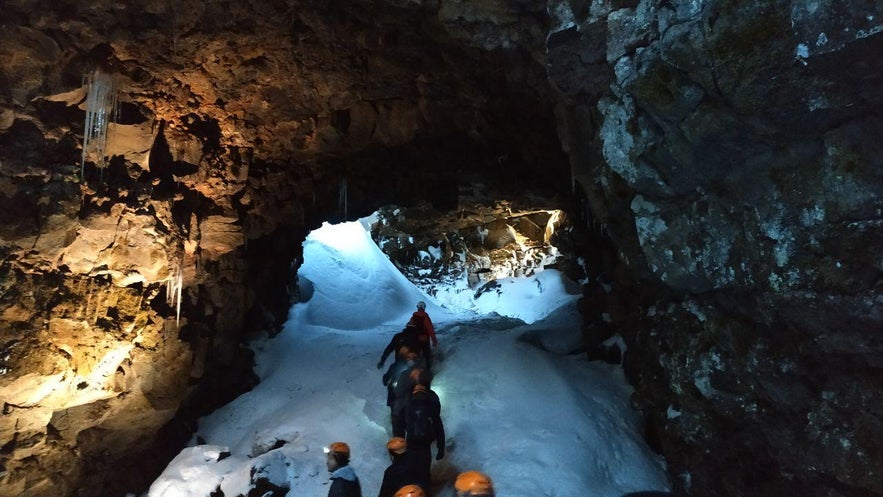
(723, 154)
(734, 170)
(241, 125)
(472, 247)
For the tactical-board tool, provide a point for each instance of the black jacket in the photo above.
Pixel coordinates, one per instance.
(398, 381)
(438, 429)
(407, 337)
(400, 473)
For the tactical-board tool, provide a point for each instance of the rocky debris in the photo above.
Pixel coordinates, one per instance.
(482, 241)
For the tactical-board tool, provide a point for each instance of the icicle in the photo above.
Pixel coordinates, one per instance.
(101, 108)
(174, 286)
(180, 284)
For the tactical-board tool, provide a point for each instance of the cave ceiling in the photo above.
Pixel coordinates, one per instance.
(322, 89)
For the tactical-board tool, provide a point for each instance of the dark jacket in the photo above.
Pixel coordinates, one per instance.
(421, 449)
(344, 483)
(401, 472)
(398, 381)
(407, 337)
(438, 429)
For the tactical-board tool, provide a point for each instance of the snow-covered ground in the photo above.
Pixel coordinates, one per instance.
(539, 422)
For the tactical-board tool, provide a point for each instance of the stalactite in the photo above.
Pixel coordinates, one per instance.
(101, 108)
(174, 285)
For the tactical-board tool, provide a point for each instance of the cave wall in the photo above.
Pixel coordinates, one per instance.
(722, 155)
(241, 126)
(733, 188)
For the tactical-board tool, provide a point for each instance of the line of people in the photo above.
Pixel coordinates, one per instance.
(415, 416)
(345, 483)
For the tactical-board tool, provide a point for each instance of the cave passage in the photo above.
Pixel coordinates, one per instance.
(516, 403)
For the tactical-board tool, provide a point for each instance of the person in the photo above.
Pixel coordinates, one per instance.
(423, 425)
(410, 491)
(344, 482)
(401, 472)
(425, 332)
(408, 337)
(398, 382)
(474, 484)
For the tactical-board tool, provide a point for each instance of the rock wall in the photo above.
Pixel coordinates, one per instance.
(733, 185)
(722, 154)
(239, 126)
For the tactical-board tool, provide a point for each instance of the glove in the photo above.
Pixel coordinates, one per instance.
(440, 454)
(379, 365)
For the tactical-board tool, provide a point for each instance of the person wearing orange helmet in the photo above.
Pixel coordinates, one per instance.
(474, 484)
(423, 425)
(399, 383)
(344, 482)
(410, 491)
(408, 337)
(401, 472)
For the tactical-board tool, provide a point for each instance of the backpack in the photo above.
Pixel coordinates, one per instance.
(420, 324)
(418, 419)
(400, 382)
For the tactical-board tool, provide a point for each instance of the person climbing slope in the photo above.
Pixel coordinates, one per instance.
(425, 332)
(401, 471)
(423, 425)
(408, 337)
(398, 382)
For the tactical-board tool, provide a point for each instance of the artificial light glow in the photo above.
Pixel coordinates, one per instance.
(553, 222)
(439, 390)
(67, 389)
(107, 366)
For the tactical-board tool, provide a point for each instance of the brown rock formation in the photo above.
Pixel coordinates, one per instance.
(722, 154)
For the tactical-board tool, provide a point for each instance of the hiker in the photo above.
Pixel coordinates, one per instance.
(408, 337)
(399, 383)
(401, 472)
(423, 425)
(425, 332)
(474, 484)
(344, 482)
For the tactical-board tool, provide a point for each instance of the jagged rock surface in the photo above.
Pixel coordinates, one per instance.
(732, 171)
(723, 153)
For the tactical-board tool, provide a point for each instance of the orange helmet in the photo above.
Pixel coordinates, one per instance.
(338, 448)
(474, 484)
(397, 445)
(410, 491)
(417, 375)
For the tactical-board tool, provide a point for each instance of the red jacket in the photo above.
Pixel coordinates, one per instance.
(425, 326)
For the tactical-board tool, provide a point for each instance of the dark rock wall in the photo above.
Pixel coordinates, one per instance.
(736, 184)
(722, 156)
